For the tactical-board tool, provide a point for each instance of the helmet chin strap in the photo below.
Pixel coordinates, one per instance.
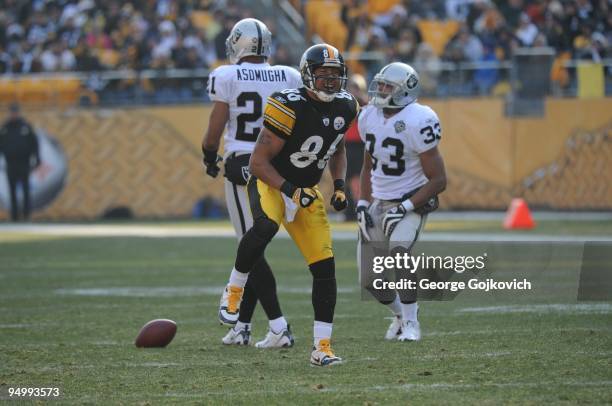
(382, 102)
(323, 96)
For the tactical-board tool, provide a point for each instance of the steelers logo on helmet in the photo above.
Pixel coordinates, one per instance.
(395, 86)
(323, 71)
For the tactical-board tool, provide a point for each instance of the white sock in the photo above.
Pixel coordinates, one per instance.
(277, 325)
(395, 306)
(409, 311)
(238, 278)
(321, 330)
(240, 325)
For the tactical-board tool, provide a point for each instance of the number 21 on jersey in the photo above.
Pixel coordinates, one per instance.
(243, 118)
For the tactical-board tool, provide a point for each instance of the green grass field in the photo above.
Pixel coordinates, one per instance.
(70, 309)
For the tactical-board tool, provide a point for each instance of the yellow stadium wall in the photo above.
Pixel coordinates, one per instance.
(562, 160)
(149, 158)
(145, 158)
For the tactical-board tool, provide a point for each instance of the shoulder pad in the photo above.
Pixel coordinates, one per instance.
(224, 72)
(289, 96)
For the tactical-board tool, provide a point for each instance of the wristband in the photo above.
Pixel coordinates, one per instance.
(339, 184)
(210, 156)
(363, 203)
(288, 189)
(408, 205)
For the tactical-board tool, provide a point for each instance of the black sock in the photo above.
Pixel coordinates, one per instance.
(249, 301)
(324, 290)
(265, 288)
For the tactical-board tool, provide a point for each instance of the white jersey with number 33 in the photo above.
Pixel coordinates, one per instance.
(245, 88)
(394, 145)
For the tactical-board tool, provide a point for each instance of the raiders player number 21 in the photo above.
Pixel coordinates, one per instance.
(238, 92)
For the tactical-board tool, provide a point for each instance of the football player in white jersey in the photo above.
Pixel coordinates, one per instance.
(239, 92)
(402, 175)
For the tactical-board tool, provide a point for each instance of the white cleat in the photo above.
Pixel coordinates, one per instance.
(322, 355)
(411, 331)
(395, 328)
(229, 306)
(240, 337)
(284, 339)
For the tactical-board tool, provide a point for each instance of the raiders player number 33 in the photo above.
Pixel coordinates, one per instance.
(402, 175)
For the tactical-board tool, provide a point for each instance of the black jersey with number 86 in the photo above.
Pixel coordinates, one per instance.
(311, 129)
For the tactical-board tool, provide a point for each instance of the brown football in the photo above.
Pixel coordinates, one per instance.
(156, 333)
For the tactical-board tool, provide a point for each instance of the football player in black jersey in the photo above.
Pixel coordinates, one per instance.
(303, 130)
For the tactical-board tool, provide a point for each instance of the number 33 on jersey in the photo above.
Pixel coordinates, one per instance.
(394, 144)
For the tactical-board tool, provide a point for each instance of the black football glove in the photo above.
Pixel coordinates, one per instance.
(338, 200)
(393, 216)
(431, 205)
(211, 160)
(364, 221)
(303, 196)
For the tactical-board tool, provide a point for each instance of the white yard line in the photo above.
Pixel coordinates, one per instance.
(23, 326)
(603, 308)
(537, 215)
(173, 291)
(103, 230)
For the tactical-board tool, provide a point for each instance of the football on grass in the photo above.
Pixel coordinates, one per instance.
(156, 333)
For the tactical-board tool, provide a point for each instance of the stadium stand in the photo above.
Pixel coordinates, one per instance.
(465, 31)
(439, 37)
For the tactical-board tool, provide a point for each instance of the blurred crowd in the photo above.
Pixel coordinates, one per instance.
(582, 27)
(485, 30)
(91, 35)
(94, 35)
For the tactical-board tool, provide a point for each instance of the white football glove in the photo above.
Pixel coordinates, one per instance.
(364, 220)
(393, 216)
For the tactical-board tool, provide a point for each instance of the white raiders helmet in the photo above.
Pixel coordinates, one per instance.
(248, 37)
(404, 81)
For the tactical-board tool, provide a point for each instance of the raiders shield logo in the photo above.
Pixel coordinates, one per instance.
(412, 82)
(399, 126)
(246, 173)
(237, 36)
(325, 121)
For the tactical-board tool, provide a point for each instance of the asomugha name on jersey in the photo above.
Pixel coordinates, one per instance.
(245, 88)
(261, 75)
(311, 129)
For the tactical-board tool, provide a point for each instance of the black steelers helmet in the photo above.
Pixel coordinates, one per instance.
(322, 55)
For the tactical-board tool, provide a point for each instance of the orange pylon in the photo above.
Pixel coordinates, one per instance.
(518, 215)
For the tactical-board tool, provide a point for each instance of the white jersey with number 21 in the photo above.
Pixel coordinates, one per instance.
(245, 88)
